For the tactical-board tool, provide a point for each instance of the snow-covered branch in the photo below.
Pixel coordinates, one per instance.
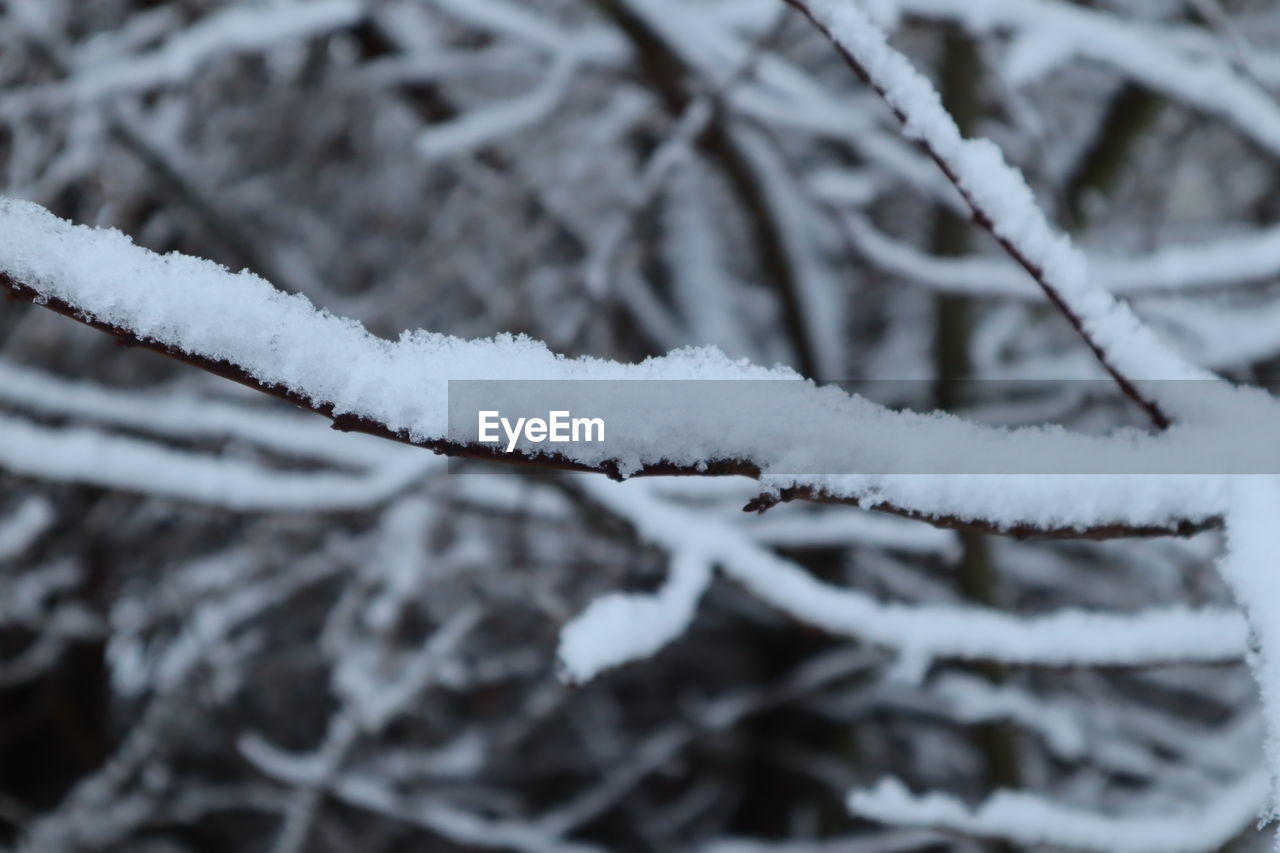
(1002, 202)
(227, 33)
(239, 327)
(618, 629)
(1027, 819)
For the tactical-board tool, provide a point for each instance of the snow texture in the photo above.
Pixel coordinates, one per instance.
(999, 192)
(627, 627)
(622, 627)
(1249, 566)
(24, 525)
(230, 31)
(1027, 819)
(1212, 265)
(93, 457)
(199, 308)
(1202, 79)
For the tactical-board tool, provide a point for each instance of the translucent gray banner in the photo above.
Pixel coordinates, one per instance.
(868, 428)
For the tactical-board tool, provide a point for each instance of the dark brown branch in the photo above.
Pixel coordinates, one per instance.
(1153, 410)
(348, 422)
(977, 576)
(1130, 113)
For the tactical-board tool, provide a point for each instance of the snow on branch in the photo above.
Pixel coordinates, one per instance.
(180, 415)
(230, 31)
(1002, 203)
(24, 525)
(1157, 58)
(91, 453)
(1026, 819)
(620, 629)
(1249, 566)
(434, 813)
(974, 700)
(624, 627)
(239, 327)
(93, 457)
(485, 126)
(1210, 266)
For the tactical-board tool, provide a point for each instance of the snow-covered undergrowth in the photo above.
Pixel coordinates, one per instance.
(1214, 464)
(198, 308)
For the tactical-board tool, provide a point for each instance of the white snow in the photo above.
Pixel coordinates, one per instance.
(623, 627)
(229, 31)
(1250, 567)
(93, 457)
(24, 525)
(799, 526)
(1211, 265)
(1146, 54)
(199, 308)
(918, 633)
(490, 124)
(179, 414)
(973, 700)
(1027, 819)
(998, 191)
(822, 312)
